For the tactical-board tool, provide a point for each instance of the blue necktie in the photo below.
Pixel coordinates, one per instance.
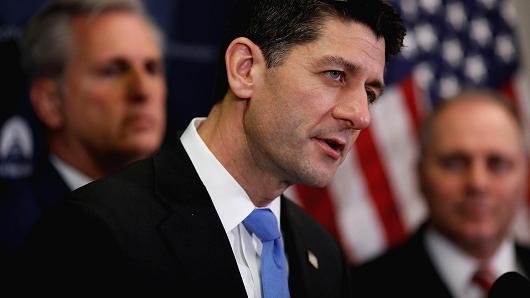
(274, 281)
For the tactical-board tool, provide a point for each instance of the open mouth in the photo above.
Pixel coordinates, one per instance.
(332, 147)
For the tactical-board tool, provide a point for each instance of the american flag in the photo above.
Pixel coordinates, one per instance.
(373, 202)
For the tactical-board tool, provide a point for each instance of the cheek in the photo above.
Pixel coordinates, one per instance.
(97, 114)
(106, 101)
(509, 194)
(443, 184)
(157, 91)
(300, 93)
(293, 106)
(442, 192)
(313, 110)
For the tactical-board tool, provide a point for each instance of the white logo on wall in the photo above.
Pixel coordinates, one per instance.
(16, 149)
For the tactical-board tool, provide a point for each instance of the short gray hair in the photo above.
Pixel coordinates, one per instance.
(47, 40)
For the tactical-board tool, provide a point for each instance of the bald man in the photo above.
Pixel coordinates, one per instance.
(472, 171)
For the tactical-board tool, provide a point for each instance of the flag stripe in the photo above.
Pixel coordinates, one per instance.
(410, 91)
(379, 188)
(357, 218)
(318, 203)
(395, 136)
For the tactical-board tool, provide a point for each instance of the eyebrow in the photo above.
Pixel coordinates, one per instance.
(350, 68)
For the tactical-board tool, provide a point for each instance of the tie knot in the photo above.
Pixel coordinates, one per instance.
(263, 224)
(484, 278)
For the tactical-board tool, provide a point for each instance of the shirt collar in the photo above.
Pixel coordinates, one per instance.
(457, 268)
(230, 200)
(71, 176)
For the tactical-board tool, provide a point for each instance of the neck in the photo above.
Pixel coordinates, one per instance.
(224, 134)
(92, 165)
(482, 249)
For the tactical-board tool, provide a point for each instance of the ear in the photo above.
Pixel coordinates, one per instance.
(46, 100)
(244, 62)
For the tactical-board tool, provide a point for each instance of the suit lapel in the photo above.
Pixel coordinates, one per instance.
(48, 185)
(193, 229)
(300, 270)
(425, 269)
(523, 257)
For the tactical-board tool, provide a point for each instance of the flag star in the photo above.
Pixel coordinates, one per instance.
(409, 46)
(480, 31)
(475, 69)
(488, 4)
(410, 9)
(456, 15)
(426, 37)
(452, 52)
(504, 48)
(424, 75)
(430, 6)
(508, 12)
(449, 86)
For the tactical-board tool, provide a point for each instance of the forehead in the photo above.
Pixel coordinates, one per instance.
(114, 32)
(355, 42)
(476, 125)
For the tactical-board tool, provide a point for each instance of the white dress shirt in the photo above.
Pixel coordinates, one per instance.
(457, 268)
(71, 176)
(232, 205)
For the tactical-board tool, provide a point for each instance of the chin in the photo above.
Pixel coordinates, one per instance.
(141, 150)
(316, 181)
(480, 232)
(310, 173)
(146, 143)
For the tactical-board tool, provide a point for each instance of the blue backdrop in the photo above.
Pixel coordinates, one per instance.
(193, 32)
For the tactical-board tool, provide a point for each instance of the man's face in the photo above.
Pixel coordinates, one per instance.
(113, 92)
(473, 173)
(307, 112)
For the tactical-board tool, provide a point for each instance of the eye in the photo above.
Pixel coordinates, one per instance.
(154, 67)
(371, 95)
(113, 68)
(335, 75)
(498, 164)
(453, 162)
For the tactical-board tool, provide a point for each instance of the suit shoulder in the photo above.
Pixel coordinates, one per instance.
(301, 218)
(120, 197)
(305, 228)
(523, 255)
(400, 256)
(130, 181)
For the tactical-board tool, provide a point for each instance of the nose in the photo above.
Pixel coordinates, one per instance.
(138, 85)
(477, 177)
(352, 110)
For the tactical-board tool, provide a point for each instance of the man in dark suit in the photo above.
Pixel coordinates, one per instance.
(295, 83)
(473, 174)
(98, 88)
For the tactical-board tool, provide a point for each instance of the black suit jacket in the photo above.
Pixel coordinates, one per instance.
(22, 202)
(152, 228)
(407, 271)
